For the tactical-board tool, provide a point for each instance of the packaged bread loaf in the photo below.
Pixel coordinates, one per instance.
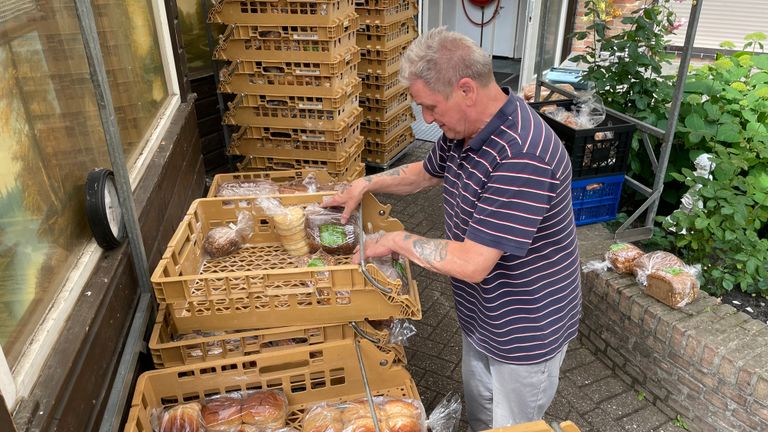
(393, 415)
(622, 256)
(672, 286)
(326, 231)
(182, 418)
(222, 413)
(228, 239)
(265, 409)
(247, 188)
(289, 225)
(652, 261)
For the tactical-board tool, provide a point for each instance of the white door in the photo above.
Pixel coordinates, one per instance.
(553, 34)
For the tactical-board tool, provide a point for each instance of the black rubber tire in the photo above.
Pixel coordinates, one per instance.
(97, 213)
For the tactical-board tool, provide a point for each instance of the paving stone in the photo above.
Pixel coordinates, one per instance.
(605, 388)
(589, 373)
(602, 421)
(647, 419)
(575, 358)
(623, 404)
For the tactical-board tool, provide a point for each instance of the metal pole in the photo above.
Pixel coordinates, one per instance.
(540, 48)
(119, 392)
(674, 109)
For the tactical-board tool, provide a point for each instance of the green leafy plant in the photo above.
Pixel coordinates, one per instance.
(679, 421)
(641, 395)
(625, 60)
(725, 114)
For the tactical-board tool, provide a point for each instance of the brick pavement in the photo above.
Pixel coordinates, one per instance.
(590, 394)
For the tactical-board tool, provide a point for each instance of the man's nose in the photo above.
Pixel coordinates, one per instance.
(428, 118)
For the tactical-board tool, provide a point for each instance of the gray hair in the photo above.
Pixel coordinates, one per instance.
(441, 58)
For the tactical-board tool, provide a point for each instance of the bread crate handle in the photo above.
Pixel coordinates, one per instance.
(367, 275)
(360, 332)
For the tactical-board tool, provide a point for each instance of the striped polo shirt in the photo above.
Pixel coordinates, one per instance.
(510, 189)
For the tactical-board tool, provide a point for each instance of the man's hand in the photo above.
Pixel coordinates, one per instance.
(376, 245)
(349, 197)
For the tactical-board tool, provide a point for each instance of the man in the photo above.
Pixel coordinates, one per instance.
(510, 247)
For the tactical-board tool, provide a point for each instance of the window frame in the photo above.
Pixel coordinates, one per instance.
(17, 383)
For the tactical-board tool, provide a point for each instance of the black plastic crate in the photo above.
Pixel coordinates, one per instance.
(598, 151)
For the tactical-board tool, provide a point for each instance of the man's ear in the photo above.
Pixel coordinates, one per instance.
(468, 90)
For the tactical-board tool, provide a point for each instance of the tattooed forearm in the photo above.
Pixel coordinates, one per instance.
(430, 250)
(394, 172)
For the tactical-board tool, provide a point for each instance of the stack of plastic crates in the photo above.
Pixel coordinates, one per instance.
(386, 29)
(293, 70)
(599, 158)
(258, 316)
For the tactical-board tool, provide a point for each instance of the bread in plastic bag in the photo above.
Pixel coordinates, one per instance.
(445, 417)
(323, 417)
(393, 268)
(265, 409)
(622, 256)
(212, 348)
(289, 225)
(325, 230)
(222, 413)
(185, 417)
(673, 286)
(393, 415)
(249, 188)
(226, 240)
(398, 330)
(652, 261)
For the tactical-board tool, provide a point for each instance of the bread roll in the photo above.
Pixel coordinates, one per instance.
(673, 286)
(403, 424)
(265, 409)
(182, 418)
(246, 428)
(363, 424)
(323, 418)
(622, 256)
(358, 409)
(222, 414)
(400, 408)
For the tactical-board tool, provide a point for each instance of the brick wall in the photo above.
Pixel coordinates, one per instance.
(581, 22)
(706, 362)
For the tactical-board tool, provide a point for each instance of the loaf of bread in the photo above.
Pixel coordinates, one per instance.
(222, 413)
(221, 241)
(323, 418)
(622, 256)
(247, 188)
(653, 261)
(672, 286)
(265, 409)
(182, 418)
(325, 230)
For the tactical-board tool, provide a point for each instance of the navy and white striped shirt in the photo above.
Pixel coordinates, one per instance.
(510, 189)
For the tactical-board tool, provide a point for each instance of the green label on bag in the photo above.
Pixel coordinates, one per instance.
(332, 235)
(399, 267)
(674, 271)
(617, 246)
(316, 262)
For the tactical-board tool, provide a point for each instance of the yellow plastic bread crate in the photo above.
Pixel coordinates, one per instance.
(348, 126)
(307, 375)
(291, 116)
(383, 36)
(290, 148)
(352, 172)
(178, 341)
(537, 426)
(381, 153)
(274, 163)
(348, 173)
(381, 86)
(384, 61)
(284, 43)
(383, 131)
(290, 78)
(387, 15)
(286, 12)
(378, 4)
(385, 109)
(260, 286)
(322, 177)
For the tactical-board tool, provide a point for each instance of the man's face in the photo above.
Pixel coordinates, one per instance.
(447, 113)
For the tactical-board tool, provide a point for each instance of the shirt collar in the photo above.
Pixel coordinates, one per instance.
(502, 115)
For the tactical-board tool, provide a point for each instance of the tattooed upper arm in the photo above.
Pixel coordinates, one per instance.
(431, 250)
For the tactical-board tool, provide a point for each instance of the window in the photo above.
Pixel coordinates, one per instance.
(51, 136)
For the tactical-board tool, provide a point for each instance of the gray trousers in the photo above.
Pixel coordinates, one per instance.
(500, 394)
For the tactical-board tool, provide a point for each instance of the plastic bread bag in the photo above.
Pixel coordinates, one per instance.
(588, 109)
(393, 268)
(400, 331)
(186, 417)
(308, 184)
(214, 347)
(223, 413)
(622, 256)
(265, 409)
(445, 417)
(323, 417)
(325, 230)
(393, 414)
(317, 259)
(251, 188)
(596, 266)
(655, 260)
(673, 286)
(289, 225)
(226, 240)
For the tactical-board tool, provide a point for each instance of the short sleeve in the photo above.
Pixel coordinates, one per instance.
(518, 194)
(435, 162)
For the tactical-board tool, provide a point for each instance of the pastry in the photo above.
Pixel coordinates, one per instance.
(222, 413)
(265, 409)
(323, 418)
(182, 418)
(622, 256)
